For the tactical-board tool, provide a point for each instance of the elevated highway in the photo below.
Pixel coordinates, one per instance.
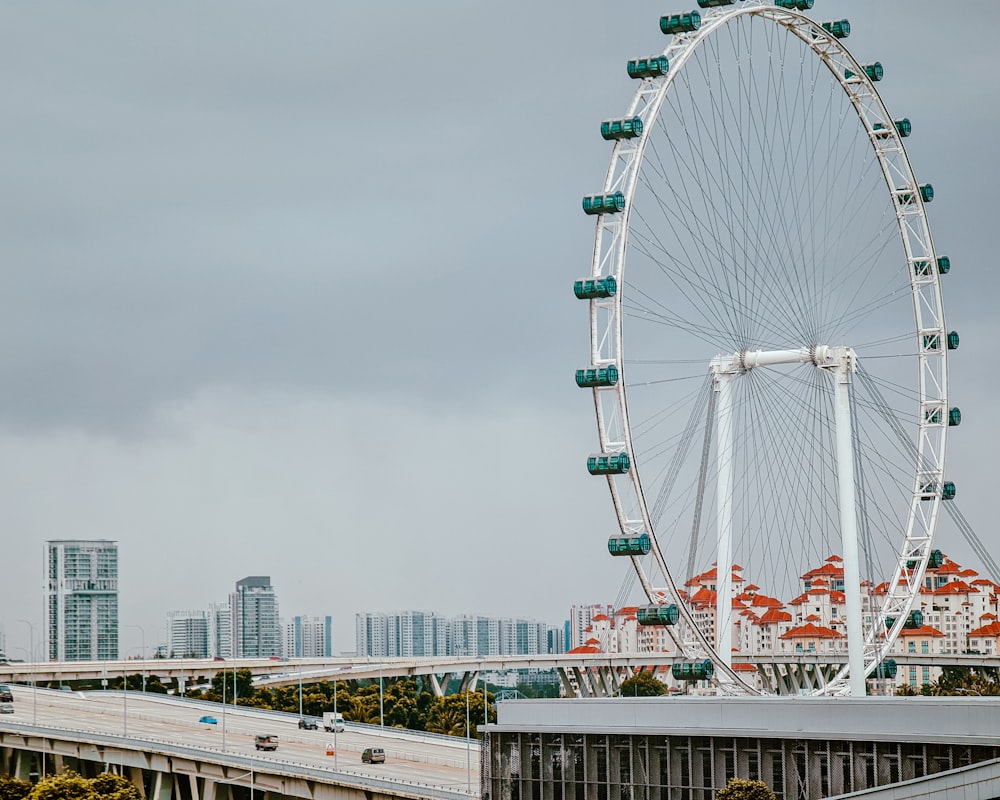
(159, 743)
(581, 675)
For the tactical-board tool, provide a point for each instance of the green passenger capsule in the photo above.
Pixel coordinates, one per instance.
(680, 23)
(886, 670)
(630, 545)
(953, 340)
(934, 560)
(658, 615)
(592, 377)
(608, 464)
(873, 71)
(914, 620)
(798, 5)
(604, 203)
(839, 29)
(923, 267)
(692, 670)
(902, 126)
(714, 3)
(954, 416)
(929, 491)
(652, 67)
(593, 288)
(621, 128)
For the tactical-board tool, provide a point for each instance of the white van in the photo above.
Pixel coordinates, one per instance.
(333, 722)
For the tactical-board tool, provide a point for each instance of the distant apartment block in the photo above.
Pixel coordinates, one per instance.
(416, 634)
(81, 600)
(188, 634)
(581, 620)
(220, 630)
(256, 629)
(307, 637)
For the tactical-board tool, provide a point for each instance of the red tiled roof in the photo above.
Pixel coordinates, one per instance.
(923, 630)
(584, 648)
(955, 587)
(774, 615)
(764, 600)
(993, 629)
(810, 631)
(827, 569)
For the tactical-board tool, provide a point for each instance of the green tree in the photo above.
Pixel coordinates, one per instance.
(67, 786)
(115, 787)
(449, 714)
(741, 789)
(642, 684)
(13, 789)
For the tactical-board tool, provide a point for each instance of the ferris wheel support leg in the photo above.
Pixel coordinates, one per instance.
(724, 562)
(847, 492)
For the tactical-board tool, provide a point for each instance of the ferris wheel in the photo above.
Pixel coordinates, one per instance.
(768, 348)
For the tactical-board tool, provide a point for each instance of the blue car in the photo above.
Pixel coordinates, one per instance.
(209, 720)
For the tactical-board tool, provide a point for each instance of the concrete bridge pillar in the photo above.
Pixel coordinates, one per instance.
(163, 786)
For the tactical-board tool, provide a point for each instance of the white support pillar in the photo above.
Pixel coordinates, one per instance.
(724, 504)
(847, 496)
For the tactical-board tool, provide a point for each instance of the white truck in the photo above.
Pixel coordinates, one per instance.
(333, 722)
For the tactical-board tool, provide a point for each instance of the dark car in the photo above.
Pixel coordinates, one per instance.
(6, 696)
(308, 724)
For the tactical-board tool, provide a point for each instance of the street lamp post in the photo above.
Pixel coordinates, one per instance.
(468, 743)
(142, 631)
(34, 689)
(381, 714)
(34, 682)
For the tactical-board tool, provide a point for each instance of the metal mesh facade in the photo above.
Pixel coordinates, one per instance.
(600, 766)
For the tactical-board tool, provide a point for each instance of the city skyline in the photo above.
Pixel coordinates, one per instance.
(235, 343)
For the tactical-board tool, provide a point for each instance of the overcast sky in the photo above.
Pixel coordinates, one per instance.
(287, 291)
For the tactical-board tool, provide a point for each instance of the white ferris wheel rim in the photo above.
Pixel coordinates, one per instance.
(608, 336)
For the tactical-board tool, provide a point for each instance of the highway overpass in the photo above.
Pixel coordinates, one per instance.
(160, 744)
(581, 675)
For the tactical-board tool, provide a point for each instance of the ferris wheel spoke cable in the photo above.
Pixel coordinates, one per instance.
(706, 447)
(974, 541)
(680, 452)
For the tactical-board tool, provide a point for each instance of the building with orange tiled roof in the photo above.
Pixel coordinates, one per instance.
(812, 638)
(954, 601)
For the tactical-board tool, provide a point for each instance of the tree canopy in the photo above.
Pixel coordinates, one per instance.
(642, 684)
(69, 786)
(742, 789)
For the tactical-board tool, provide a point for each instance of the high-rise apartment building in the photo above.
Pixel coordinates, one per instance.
(81, 600)
(220, 630)
(307, 637)
(256, 629)
(581, 619)
(188, 634)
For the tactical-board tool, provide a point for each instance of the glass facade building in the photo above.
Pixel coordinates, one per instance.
(256, 627)
(81, 600)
